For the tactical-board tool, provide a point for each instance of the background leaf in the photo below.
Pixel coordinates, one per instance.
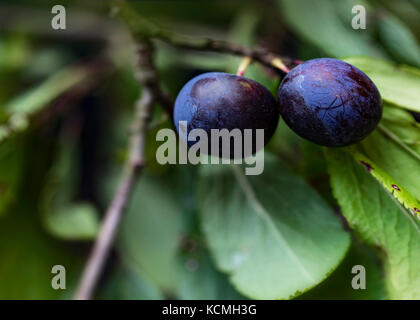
(403, 125)
(127, 284)
(65, 216)
(151, 231)
(201, 280)
(318, 22)
(388, 183)
(27, 255)
(41, 95)
(272, 234)
(380, 221)
(11, 160)
(399, 39)
(338, 285)
(397, 162)
(73, 221)
(27, 252)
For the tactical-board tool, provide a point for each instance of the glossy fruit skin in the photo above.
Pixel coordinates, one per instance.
(329, 102)
(218, 100)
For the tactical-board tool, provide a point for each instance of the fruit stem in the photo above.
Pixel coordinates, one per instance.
(245, 62)
(278, 63)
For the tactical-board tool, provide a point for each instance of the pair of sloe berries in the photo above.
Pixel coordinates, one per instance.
(326, 101)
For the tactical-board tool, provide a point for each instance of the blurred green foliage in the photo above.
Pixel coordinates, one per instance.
(189, 232)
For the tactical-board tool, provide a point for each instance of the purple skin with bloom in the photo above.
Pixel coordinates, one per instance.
(219, 100)
(329, 102)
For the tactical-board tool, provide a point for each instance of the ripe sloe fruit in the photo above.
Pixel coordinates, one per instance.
(218, 100)
(329, 102)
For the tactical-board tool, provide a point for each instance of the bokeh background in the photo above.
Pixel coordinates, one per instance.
(66, 101)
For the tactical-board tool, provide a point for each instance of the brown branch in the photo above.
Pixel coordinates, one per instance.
(142, 28)
(136, 153)
(256, 53)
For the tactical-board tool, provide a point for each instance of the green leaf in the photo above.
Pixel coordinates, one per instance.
(74, 221)
(380, 221)
(11, 161)
(151, 230)
(273, 235)
(201, 280)
(399, 39)
(28, 253)
(395, 115)
(398, 85)
(338, 285)
(127, 284)
(402, 124)
(15, 51)
(36, 98)
(318, 22)
(394, 160)
(63, 216)
(388, 182)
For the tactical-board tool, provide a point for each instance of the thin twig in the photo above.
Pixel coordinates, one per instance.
(142, 28)
(134, 164)
(256, 53)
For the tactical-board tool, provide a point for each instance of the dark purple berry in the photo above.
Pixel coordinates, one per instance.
(329, 102)
(219, 100)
